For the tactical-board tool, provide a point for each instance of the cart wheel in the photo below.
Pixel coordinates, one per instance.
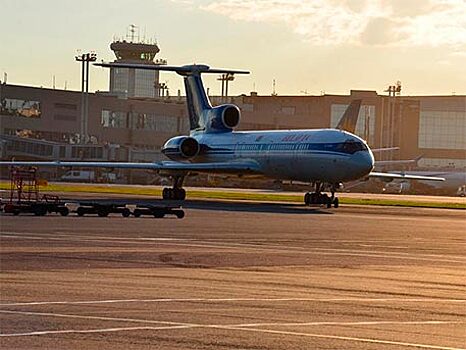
(179, 213)
(64, 211)
(16, 212)
(80, 211)
(125, 213)
(137, 213)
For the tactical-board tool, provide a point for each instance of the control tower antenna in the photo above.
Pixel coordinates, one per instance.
(274, 92)
(133, 30)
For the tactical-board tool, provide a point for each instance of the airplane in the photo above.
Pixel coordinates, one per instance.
(325, 158)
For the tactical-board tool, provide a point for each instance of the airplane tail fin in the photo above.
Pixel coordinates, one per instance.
(350, 117)
(197, 100)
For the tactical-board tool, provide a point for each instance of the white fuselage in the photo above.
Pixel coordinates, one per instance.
(325, 155)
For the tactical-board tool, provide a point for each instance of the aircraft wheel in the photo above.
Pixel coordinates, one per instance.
(335, 203)
(166, 193)
(179, 213)
(181, 195)
(307, 198)
(329, 202)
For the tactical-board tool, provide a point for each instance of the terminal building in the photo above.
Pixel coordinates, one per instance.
(135, 117)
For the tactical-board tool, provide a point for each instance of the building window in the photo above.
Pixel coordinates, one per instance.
(20, 108)
(86, 152)
(143, 121)
(442, 129)
(114, 119)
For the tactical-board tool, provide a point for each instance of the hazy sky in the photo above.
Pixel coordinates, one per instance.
(306, 46)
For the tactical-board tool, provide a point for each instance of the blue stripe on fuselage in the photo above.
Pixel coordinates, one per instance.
(304, 148)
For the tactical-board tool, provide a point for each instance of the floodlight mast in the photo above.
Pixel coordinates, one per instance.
(85, 58)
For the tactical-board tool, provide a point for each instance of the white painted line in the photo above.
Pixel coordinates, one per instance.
(100, 318)
(84, 331)
(220, 300)
(179, 325)
(259, 247)
(354, 339)
(349, 323)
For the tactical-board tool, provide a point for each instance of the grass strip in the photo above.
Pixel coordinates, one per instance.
(215, 194)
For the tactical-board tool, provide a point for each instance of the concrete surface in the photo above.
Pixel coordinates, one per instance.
(236, 276)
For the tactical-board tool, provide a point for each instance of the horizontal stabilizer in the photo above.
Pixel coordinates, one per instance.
(392, 176)
(182, 70)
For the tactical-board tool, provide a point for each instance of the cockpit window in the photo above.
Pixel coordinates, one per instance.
(352, 146)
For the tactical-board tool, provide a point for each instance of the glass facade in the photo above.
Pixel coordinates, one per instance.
(144, 121)
(114, 119)
(120, 80)
(20, 108)
(139, 121)
(144, 83)
(365, 126)
(442, 129)
(30, 148)
(133, 82)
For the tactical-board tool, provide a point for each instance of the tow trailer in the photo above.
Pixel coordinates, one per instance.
(25, 198)
(158, 211)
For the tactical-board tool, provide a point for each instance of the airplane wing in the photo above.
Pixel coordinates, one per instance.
(385, 149)
(392, 176)
(240, 166)
(398, 161)
(395, 162)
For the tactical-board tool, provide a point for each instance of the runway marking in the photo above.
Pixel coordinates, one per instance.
(100, 318)
(364, 340)
(244, 327)
(259, 247)
(349, 323)
(99, 330)
(231, 241)
(217, 300)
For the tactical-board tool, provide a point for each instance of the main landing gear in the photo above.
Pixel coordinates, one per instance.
(319, 198)
(177, 192)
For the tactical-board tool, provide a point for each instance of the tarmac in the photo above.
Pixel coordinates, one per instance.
(236, 275)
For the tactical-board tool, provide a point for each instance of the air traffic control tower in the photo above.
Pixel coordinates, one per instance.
(128, 82)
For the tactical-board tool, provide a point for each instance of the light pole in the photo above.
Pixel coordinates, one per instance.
(225, 78)
(85, 58)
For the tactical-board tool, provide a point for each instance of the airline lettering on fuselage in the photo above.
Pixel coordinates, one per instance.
(296, 138)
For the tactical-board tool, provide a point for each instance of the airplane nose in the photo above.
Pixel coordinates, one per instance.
(363, 163)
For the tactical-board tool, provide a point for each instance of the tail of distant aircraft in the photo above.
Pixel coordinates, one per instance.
(202, 116)
(350, 117)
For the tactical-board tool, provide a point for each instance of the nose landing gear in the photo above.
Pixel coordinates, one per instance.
(177, 192)
(319, 198)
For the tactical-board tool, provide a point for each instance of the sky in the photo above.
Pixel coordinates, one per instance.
(307, 47)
